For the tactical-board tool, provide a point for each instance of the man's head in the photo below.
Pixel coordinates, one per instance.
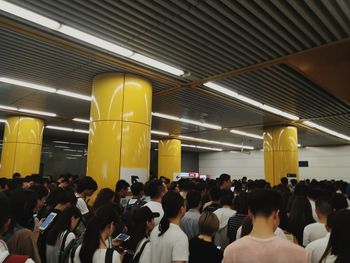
(215, 194)
(284, 181)
(263, 203)
(226, 198)
(193, 199)
(225, 182)
(4, 184)
(137, 189)
(16, 175)
(42, 194)
(86, 186)
(122, 188)
(5, 213)
(156, 189)
(323, 208)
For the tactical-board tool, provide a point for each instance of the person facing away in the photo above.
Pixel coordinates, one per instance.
(224, 182)
(261, 245)
(317, 248)
(189, 223)
(317, 230)
(105, 196)
(61, 233)
(240, 204)
(100, 228)
(156, 191)
(339, 240)
(169, 244)
(214, 194)
(202, 248)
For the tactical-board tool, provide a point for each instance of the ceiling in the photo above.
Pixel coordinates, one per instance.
(264, 50)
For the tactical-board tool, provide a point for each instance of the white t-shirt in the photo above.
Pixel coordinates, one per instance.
(4, 253)
(98, 257)
(313, 232)
(313, 208)
(169, 247)
(279, 232)
(81, 205)
(53, 252)
(146, 253)
(317, 248)
(156, 207)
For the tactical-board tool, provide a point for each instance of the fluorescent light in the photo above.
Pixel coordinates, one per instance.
(71, 150)
(62, 142)
(4, 107)
(27, 84)
(81, 131)
(184, 120)
(326, 130)
(201, 147)
(154, 141)
(252, 102)
(44, 113)
(74, 155)
(71, 158)
(299, 145)
(95, 41)
(247, 134)
(81, 120)
(157, 64)
(73, 94)
(76, 143)
(216, 142)
(2, 120)
(59, 128)
(61, 146)
(160, 133)
(29, 15)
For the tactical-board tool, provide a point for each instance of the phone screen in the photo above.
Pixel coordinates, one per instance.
(48, 221)
(123, 237)
(232, 189)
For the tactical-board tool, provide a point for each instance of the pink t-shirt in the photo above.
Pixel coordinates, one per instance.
(257, 250)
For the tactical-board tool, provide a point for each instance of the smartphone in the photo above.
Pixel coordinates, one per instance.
(48, 221)
(123, 237)
(232, 189)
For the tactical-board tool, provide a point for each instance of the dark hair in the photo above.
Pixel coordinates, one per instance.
(40, 190)
(155, 188)
(284, 181)
(247, 226)
(5, 209)
(330, 220)
(137, 188)
(171, 203)
(105, 196)
(339, 239)
(4, 182)
(104, 216)
(226, 198)
(16, 175)
(323, 206)
(240, 203)
(61, 196)
(264, 202)
(338, 202)
(172, 186)
(62, 223)
(193, 199)
(86, 183)
(223, 178)
(208, 223)
(121, 184)
(215, 193)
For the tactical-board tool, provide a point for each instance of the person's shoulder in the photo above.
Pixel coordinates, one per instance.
(238, 243)
(286, 244)
(177, 232)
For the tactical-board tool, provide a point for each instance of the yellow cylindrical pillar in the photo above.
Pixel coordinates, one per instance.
(119, 134)
(21, 151)
(169, 158)
(280, 153)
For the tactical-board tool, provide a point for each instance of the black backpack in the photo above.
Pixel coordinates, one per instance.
(64, 254)
(136, 258)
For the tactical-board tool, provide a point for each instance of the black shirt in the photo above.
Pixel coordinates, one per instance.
(204, 252)
(212, 208)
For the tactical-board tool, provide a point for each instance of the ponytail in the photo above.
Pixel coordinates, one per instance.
(164, 225)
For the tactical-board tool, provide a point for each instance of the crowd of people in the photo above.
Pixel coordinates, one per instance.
(195, 221)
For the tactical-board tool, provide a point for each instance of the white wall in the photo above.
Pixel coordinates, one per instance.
(324, 163)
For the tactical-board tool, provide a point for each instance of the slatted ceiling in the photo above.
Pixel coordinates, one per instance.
(308, 137)
(340, 124)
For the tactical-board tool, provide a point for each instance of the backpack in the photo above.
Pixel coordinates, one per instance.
(130, 210)
(65, 252)
(16, 259)
(136, 258)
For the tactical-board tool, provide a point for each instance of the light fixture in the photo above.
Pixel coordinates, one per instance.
(160, 133)
(299, 145)
(201, 147)
(28, 15)
(184, 120)
(74, 155)
(76, 143)
(36, 112)
(62, 142)
(81, 120)
(255, 103)
(2, 121)
(216, 142)
(81, 131)
(27, 84)
(247, 134)
(61, 146)
(71, 158)
(4, 107)
(154, 141)
(73, 95)
(59, 128)
(326, 130)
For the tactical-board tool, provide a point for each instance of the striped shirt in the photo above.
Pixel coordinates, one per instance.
(233, 224)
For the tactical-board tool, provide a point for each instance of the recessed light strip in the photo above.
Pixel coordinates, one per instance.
(36, 112)
(160, 133)
(216, 142)
(201, 147)
(326, 130)
(235, 95)
(247, 134)
(81, 120)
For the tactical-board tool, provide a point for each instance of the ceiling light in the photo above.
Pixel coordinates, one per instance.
(216, 142)
(299, 145)
(81, 131)
(154, 141)
(27, 84)
(252, 102)
(74, 155)
(71, 150)
(165, 116)
(160, 133)
(209, 148)
(2, 120)
(60, 141)
(44, 113)
(247, 134)
(71, 158)
(73, 95)
(29, 15)
(4, 107)
(81, 120)
(76, 143)
(157, 64)
(59, 128)
(61, 146)
(326, 130)
(95, 41)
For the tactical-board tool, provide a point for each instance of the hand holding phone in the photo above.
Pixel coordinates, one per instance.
(123, 237)
(47, 221)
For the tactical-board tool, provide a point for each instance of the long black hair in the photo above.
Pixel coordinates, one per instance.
(62, 223)
(339, 239)
(104, 216)
(105, 196)
(171, 203)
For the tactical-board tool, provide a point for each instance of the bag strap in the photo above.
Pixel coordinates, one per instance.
(72, 253)
(109, 255)
(63, 244)
(138, 255)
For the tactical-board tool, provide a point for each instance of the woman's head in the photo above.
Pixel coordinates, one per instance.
(240, 203)
(105, 196)
(208, 224)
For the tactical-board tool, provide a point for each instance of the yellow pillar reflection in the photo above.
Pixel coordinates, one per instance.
(169, 158)
(22, 143)
(280, 153)
(119, 135)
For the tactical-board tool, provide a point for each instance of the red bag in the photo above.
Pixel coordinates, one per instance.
(16, 259)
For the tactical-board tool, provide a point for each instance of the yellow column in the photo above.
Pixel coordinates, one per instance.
(280, 153)
(21, 150)
(119, 135)
(169, 158)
